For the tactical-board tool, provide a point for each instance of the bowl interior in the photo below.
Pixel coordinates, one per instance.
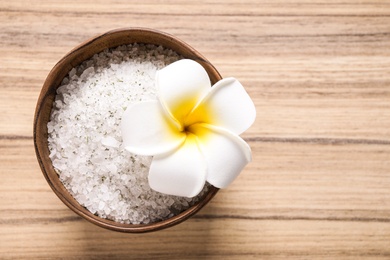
(75, 57)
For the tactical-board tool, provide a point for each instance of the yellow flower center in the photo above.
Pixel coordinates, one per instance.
(189, 119)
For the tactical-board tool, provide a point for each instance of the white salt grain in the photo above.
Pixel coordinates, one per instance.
(84, 135)
(110, 142)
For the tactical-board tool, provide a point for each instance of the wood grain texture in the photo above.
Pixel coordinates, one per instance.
(319, 183)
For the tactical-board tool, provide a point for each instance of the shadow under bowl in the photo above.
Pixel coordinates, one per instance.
(44, 106)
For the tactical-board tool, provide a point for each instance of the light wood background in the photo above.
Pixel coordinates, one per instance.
(319, 183)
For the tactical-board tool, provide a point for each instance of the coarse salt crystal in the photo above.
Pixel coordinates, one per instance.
(104, 188)
(101, 205)
(110, 142)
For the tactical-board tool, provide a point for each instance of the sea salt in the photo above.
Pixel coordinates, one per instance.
(85, 139)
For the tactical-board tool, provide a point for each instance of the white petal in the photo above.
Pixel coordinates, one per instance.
(180, 86)
(182, 173)
(146, 130)
(226, 153)
(227, 105)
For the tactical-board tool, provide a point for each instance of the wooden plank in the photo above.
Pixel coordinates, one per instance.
(334, 203)
(217, 239)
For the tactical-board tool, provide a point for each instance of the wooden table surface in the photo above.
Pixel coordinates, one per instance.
(319, 183)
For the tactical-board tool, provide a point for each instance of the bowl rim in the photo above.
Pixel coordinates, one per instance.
(44, 106)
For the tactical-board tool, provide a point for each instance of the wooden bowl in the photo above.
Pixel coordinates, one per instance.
(44, 106)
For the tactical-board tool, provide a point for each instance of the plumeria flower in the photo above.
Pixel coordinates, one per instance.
(191, 130)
